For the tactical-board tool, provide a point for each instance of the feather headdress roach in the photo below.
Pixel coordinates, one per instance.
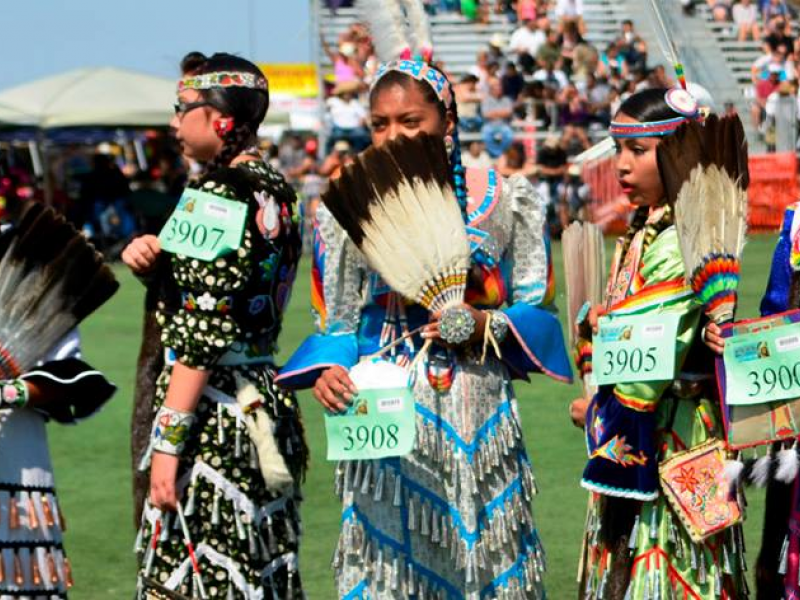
(51, 278)
(400, 28)
(704, 171)
(397, 204)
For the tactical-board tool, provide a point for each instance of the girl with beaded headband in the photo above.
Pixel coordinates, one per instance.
(635, 544)
(227, 453)
(453, 518)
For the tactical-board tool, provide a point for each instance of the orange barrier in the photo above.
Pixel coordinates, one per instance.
(773, 186)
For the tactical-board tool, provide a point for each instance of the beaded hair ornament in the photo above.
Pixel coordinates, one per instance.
(223, 79)
(679, 100)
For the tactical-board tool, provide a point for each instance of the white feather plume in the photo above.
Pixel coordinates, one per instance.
(761, 468)
(419, 26)
(387, 26)
(788, 465)
(733, 471)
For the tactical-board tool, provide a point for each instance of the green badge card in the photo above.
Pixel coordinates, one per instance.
(379, 423)
(763, 366)
(204, 226)
(628, 349)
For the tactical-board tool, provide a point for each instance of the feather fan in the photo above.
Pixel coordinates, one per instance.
(398, 206)
(584, 269)
(51, 278)
(704, 172)
(420, 29)
(387, 26)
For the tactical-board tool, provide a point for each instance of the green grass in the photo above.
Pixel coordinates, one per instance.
(92, 461)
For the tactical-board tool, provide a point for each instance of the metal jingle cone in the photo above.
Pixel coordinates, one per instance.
(653, 522)
(366, 481)
(377, 495)
(424, 522)
(19, 574)
(397, 498)
(13, 512)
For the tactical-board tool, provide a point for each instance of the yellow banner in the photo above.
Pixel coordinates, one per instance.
(291, 79)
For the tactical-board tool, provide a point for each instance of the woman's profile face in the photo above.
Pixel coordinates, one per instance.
(403, 110)
(193, 125)
(637, 168)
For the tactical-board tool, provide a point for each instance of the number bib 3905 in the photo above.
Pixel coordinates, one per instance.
(204, 226)
(379, 423)
(627, 349)
(763, 366)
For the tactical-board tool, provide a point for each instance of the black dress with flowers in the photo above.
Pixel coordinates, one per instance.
(226, 317)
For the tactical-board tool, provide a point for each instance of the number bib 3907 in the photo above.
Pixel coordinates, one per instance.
(628, 349)
(763, 366)
(204, 226)
(379, 423)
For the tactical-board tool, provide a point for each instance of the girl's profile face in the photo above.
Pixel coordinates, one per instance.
(403, 110)
(193, 125)
(637, 168)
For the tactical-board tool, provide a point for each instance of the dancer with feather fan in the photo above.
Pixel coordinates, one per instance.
(227, 454)
(641, 542)
(447, 273)
(51, 279)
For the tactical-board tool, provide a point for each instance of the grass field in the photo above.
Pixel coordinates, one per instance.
(92, 461)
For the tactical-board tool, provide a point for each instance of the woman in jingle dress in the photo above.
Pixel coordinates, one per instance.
(452, 519)
(221, 332)
(636, 545)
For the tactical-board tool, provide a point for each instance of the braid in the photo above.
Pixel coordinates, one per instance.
(457, 169)
(233, 143)
(651, 230)
(637, 222)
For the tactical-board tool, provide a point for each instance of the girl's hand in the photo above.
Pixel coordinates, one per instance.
(141, 254)
(588, 326)
(334, 389)
(432, 331)
(712, 336)
(163, 475)
(577, 412)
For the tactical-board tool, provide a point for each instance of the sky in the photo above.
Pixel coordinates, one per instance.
(47, 37)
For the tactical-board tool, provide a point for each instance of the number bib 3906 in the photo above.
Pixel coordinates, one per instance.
(379, 423)
(627, 349)
(763, 366)
(204, 226)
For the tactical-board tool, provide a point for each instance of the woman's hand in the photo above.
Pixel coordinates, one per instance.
(588, 326)
(163, 477)
(712, 336)
(334, 389)
(577, 412)
(432, 331)
(141, 254)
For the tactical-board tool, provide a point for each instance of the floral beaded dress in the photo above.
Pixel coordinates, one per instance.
(227, 319)
(636, 546)
(453, 518)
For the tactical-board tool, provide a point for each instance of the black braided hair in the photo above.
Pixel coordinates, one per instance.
(457, 170)
(247, 107)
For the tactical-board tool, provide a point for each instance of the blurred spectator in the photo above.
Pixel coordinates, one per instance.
(526, 41)
(570, 10)
(551, 77)
(776, 60)
(512, 81)
(482, 68)
(469, 103)
(526, 10)
(291, 153)
(573, 198)
(774, 9)
(514, 162)
(569, 40)
(745, 16)
(497, 111)
(338, 157)
(779, 34)
(763, 89)
(549, 54)
(585, 61)
(497, 48)
(346, 68)
(476, 156)
(720, 9)
(598, 96)
(574, 116)
(348, 118)
(632, 47)
(551, 163)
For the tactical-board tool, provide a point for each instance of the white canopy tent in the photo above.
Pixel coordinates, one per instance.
(94, 97)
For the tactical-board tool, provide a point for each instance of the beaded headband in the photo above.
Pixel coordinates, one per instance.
(421, 71)
(679, 100)
(223, 79)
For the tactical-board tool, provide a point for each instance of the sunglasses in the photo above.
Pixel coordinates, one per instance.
(181, 108)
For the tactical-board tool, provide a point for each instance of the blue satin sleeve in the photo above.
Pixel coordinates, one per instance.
(776, 297)
(535, 343)
(317, 353)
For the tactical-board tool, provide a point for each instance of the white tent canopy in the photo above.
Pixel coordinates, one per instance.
(93, 97)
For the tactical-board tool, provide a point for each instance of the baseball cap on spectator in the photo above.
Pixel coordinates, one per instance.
(348, 49)
(498, 41)
(346, 87)
(342, 146)
(311, 146)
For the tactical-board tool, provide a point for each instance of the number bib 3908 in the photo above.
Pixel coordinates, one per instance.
(627, 349)
(763, 366)
(204, 226)
(379, 423)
